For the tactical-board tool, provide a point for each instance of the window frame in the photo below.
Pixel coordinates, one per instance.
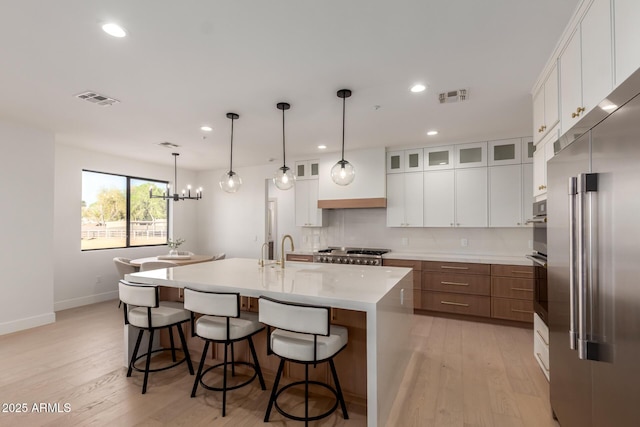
(128, 179)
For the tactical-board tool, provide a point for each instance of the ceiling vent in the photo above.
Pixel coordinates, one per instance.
(168, 144)
(453, 96)
(96, 98)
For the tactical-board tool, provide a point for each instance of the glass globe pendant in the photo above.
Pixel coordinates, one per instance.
(343, 172)
(231, 181)
(284, 179)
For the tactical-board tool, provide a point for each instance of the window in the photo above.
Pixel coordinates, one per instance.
(118, 213)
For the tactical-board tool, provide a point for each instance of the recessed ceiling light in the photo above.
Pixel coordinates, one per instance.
(432, 132)
(114, 30)
(322, 147)
(206, 128)
(418, 88)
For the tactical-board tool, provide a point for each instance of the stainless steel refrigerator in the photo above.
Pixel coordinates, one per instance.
(594, 266)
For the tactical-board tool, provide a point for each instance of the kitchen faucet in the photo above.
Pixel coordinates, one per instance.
(261, 260)
(282, 248)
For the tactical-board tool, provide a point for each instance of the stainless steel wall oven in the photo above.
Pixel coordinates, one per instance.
(539, 257)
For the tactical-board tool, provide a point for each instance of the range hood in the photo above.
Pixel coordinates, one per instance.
(368, 189)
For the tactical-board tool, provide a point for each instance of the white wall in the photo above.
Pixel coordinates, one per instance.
(87, 277)
(234, 223)
(367, 228)
(26, 183)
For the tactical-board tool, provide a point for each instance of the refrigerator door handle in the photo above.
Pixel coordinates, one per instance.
(573, 286)
(587, 236)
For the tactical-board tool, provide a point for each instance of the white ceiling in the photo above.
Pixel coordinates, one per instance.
(188, 63)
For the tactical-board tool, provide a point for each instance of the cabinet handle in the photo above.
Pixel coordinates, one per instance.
(454, 303)
(333, 314)
(544, 128)
(542, 338)
(522, 289)
(293, 258)
(455, 283)
(450, 267)
(541, 362)
(515, 310)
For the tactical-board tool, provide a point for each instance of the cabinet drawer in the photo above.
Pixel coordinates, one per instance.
(512, 309)
(541, 330)
(473, 305)
(416, 265)
(508, 287)
(300, 258)
(541, 354)
(525, 271)
(456, 283)
(456, 267)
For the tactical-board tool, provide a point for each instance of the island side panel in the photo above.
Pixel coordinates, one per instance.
(391, 351)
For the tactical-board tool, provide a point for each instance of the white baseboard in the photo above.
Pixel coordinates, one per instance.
(79, 302)
(27, 323)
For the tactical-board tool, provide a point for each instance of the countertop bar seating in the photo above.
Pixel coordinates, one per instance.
(383, 295)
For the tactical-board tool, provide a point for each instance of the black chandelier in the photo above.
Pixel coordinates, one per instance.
(186, 195)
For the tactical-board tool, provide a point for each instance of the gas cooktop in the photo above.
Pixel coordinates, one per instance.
(342, 255)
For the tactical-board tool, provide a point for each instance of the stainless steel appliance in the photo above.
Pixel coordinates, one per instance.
(539, 257)
(594, 267)
(358, 256)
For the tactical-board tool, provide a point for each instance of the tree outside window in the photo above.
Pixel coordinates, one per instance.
(117, 212)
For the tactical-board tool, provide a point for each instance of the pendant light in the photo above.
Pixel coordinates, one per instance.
(283, 178)
(186, 195)
(231, 181)
(343, 172)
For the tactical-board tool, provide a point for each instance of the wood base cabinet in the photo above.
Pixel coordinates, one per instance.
(512, 292)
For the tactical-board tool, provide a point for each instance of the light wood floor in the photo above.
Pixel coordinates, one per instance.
(461, 373)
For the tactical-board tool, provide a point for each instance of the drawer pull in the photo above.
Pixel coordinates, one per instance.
(541, 362)
(542, 338)
(521, 311)
(454, 283)
(293, 258)
(522, 289)
(520, 272)
(453, 268)
(454, 303)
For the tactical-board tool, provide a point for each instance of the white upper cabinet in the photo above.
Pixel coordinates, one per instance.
(544, 152)
(438, 158)
(395, 161)
(627, 38)
(404, 199)
(527, 191)
(404, 161)
(505, 152)
(307, 212)
(413, 160)
(505, 196)
(307, 169)
(527, 149)
(439, 198)
(586, 68)
(471, 155)
(545, 105)
(471, 197)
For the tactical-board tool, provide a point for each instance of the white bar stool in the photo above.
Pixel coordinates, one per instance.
(222, 322)
(304, 335)
(150, 314)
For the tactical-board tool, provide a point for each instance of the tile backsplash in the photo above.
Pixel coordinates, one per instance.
(368, 228)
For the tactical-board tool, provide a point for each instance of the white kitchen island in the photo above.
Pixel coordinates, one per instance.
(383, 293)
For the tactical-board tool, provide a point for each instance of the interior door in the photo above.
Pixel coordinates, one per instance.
(570, 378)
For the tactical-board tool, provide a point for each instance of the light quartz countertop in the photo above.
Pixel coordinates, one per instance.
(475, 258)
(341, 286)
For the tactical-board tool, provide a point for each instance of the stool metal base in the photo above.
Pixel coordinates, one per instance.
(209, 387)
(312, 418)
(337, 392)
